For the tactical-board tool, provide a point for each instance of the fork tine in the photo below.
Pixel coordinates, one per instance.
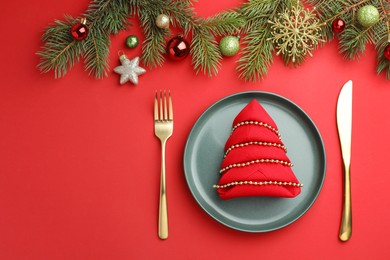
(165, 106)
(156, 106)
(170, 106)
(161, 106)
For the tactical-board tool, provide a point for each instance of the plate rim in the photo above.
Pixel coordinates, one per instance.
(256, 94)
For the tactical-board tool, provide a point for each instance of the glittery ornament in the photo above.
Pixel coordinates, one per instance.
(338, 25)
(79, 31)
(132, 41)
(129, 70)
(386, 51)
(162, 21)
(229, 45)
(367, 15)
(178, 48)
(295, 33)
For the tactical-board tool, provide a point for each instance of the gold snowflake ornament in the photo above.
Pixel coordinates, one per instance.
(295, 33)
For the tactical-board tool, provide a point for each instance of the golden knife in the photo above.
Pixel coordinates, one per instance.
(344, 125)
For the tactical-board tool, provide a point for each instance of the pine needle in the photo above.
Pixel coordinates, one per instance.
(96, 58)
(257, 56)
(205, 53)
(225, 23)
(153, 48)
(60, 50)
(353, 41)
(383, 64)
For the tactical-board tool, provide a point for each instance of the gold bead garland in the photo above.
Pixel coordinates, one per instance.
(260, 183)
(255, 161)
(259, 123)
(255, 143)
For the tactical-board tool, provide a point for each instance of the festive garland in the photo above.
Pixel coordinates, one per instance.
(266, 27)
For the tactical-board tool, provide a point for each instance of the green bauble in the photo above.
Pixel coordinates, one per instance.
(368, 15)
(132, 41)
(229, 45)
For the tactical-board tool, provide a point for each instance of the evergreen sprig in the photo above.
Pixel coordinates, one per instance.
(229, 22)
(251, 20)
(205, 54)
(60, 51)
(354, 39)
(257, 57)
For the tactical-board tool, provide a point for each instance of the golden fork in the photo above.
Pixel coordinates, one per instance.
(163, 128)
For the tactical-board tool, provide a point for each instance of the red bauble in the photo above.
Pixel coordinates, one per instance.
(338, 25)
(178, 48)
(386, 52)
(79, 30)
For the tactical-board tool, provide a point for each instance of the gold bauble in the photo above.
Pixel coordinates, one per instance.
(162, 21)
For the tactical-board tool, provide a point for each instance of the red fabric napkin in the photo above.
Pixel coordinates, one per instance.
(255, 162)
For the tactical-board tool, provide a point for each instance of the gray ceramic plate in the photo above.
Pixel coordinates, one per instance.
(204, 152)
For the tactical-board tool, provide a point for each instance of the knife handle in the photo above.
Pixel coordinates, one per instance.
(346, 221)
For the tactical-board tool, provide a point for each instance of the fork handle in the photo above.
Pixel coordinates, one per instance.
(163, 208)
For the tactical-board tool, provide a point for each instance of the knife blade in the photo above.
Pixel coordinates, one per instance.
(344, 126)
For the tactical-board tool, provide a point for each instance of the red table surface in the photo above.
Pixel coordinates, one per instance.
(80, 165)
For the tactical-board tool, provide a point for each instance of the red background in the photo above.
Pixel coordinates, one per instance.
(79, 162)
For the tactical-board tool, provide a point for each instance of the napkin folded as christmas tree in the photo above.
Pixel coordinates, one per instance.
(255, 162)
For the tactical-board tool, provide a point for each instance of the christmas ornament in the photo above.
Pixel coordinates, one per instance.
(178, 48)
(295, 37)
(367, 15)
(129, 70)
(132, 41)
(386, 52)
(296, 33)
(162, 21)
(338, 25)
(79, 30)
(229, 45)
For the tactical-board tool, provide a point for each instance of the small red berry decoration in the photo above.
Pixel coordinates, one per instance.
(79, 30)
(338, 25)
(386, 52)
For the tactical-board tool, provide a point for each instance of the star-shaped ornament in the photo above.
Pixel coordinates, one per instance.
(129, 70)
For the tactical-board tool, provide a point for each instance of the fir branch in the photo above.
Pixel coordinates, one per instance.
(205, 53)
(383, 63)
(224, 23)
(180, 12)
(257, 56)
(353, 41)
(153, 46)
(257, 53)
(96, 56)
(331, 10)
(60, 50)
(326, 9)
(104, 17)
(182, 15)
(385, 6)
(383, 41)
(109, 15)
(257, 13)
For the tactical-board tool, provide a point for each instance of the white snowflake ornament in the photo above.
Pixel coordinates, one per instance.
(129, 70)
